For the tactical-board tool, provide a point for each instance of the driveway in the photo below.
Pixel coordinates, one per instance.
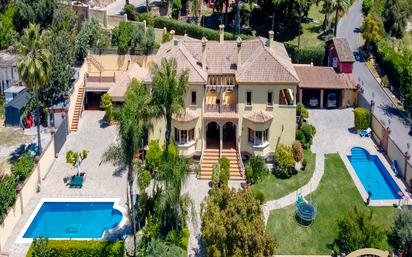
(102, 180)
(334, 131)
(349, 28)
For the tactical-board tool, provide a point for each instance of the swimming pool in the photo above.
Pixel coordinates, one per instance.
(76, 218)
(373, 175)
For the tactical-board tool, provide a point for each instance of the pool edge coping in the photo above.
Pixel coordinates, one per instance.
(116, 205)
(359, 185)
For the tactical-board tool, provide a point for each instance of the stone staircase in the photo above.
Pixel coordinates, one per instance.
(211, 157)
(96, 63)
(77, 110)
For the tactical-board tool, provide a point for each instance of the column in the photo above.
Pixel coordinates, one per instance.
(321, 98)
(220, 137)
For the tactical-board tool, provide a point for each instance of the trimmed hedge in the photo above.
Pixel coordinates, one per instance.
(7, 195)
(71, 248)
(192, 30)
(362, 118)
(306, 55)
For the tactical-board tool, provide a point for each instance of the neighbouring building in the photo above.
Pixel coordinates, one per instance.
(9, 75)
(240, 101)
(339, 55)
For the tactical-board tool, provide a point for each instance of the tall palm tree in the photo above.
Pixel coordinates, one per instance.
(34, 66)
(173, 174)
(134, 117)
(169, 90)
(327, 9)
(339, 6)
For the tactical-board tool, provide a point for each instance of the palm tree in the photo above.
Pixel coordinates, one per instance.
(339, 6)
(169, 90)
(34, 66)
(173, 205)
(134, 118)
(327, 9)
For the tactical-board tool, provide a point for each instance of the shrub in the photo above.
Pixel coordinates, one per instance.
(304, 164)
(184, 241)
(284, 162)
(144, 179)
(172, 151)
(22, 168)
(148, 17)
(130, 11)
(216, 175)
(224, 170)
(306, 55)
(300, 136)
(308, 131)
(302, 111)
(255, 169)
(7, 195)
(297, 151)
(192, 30)
(166, 37)
(260, 197)
(366, 6)
(108, 107)
(362, 118)
(122, 36)
(154, 156)
(40, 247)
(86, 248)
(401, 234)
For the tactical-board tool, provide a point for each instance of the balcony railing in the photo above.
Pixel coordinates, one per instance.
(221, 108)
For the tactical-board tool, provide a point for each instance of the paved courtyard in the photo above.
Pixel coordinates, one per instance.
(102, 180)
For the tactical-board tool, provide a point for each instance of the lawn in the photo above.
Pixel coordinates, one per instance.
(335, 195)
(311, 30)
(275, 188)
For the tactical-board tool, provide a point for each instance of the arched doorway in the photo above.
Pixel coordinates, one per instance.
(212, 135)
(229, 135)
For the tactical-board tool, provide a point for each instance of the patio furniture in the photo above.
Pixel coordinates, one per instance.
(395, 168)
(365, 132)
(76, 181)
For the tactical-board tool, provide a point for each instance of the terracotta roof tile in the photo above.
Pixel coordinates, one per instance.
(186, 115)
(258, 116)
(343, 50)
(319, 77)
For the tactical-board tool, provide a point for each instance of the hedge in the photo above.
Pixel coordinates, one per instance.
(362, 118)
(22, 168)
(307, 55)
(71, 248)
(7, 195)
(192, 30)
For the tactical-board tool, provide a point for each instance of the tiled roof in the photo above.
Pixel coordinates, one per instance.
(319, 77)
(258, 116)
(184, 61)
(8, 57)
(117, 91)
(259, 63)
(186, 115)
(343, 50)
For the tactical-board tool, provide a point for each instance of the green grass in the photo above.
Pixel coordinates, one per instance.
(311, 30)
(335, 195)
(275, 188)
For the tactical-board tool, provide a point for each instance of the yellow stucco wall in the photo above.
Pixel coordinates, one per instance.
(281, 128)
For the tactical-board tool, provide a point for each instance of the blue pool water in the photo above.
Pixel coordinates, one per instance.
(73, 220)
(374, 177)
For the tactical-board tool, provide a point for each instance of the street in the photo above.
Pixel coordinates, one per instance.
(349, 27)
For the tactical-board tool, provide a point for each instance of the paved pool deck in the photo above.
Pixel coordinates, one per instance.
(102, 180)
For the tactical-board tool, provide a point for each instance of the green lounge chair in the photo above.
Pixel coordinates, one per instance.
(76, 181)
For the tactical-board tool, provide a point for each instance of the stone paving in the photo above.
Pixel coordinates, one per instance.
(102, 180)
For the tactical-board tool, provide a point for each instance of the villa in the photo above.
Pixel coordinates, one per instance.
(241, 99)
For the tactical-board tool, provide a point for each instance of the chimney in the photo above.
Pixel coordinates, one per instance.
(204, 41)
(239, 46)
(271, 42)
(172, 35)
(221, 33)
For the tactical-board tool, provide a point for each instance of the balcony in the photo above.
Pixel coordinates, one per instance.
(221, 111)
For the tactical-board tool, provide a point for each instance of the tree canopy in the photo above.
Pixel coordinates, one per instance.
(232, 224)
(395, 15)
(371, 29)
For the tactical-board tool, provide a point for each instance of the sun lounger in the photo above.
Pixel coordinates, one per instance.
(76, 181)
(395, 168)
(365, 132)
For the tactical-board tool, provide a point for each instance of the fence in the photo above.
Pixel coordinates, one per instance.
(28, 189)
(382, 135)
